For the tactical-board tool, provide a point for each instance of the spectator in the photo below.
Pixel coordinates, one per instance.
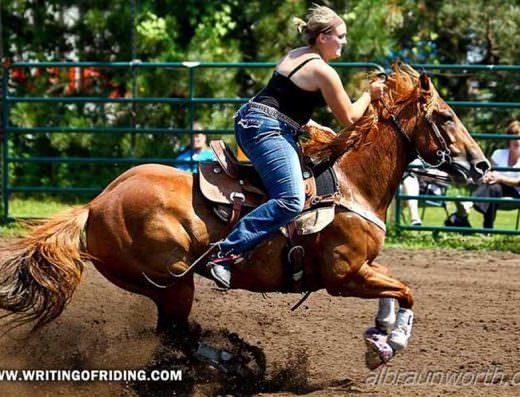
(198, 151)
(494, 184)
(422, 184)
(495, 177)
(411, 187)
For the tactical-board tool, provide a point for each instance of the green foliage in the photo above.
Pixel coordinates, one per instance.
(425, 31)
(371, 26)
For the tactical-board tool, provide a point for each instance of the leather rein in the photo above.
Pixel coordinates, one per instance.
(444, 153)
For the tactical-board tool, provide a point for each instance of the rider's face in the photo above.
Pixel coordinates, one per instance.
(334, 41)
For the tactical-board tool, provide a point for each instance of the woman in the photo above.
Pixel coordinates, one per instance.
(266, 129)
(501, 183)
(495, 184)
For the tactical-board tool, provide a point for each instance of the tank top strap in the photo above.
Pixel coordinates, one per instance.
(301, 65)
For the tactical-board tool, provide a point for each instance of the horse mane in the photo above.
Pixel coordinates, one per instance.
(401, 85)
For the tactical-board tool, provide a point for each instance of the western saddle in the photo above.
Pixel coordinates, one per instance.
(235, 188)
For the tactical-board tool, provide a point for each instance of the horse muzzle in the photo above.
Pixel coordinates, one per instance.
(463, 172)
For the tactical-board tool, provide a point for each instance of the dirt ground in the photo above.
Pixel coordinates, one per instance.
(467, 322)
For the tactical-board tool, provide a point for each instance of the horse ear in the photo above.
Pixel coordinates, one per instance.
(425, 82)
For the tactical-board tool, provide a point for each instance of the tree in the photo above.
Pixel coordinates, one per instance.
(424, 31)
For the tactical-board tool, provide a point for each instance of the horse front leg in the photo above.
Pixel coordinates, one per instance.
(385, 317)
(369, 283)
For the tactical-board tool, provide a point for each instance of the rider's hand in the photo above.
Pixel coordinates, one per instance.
(376, 89)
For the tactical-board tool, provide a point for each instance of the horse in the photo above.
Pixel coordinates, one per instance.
(153, 220)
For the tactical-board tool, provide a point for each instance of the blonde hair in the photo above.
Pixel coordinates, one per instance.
(320, 19)
(513, 128)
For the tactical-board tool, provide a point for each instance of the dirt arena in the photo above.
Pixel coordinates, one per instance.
(467, 325)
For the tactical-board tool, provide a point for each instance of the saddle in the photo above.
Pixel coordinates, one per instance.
(235, 188)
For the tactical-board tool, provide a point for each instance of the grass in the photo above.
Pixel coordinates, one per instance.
(25, 208)
(420, 239)
(30, 208)
(435, 216)
(407, 239)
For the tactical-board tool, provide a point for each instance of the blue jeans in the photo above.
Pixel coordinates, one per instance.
(271, 146)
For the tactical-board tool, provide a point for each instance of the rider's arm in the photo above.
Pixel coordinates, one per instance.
(512, 181)
(495, 177)
(338, 100)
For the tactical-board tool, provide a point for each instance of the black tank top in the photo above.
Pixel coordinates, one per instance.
(285, 96)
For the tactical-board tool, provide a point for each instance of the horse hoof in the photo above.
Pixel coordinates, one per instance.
(378, 350)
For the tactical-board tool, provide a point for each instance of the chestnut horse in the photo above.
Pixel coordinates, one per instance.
(153, 219)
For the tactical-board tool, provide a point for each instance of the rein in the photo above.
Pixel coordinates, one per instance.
(424, 172)
(444, 153)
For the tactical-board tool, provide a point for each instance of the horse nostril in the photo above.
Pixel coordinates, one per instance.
(482, 166)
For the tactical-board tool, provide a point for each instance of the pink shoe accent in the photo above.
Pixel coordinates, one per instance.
(230, 259)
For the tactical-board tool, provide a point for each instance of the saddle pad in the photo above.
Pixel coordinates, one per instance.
(326, 182)
(312, 221)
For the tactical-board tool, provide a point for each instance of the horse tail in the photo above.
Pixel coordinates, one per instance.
(40, 272)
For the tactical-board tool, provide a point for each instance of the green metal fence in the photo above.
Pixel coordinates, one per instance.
(478, 136)
(190, 102)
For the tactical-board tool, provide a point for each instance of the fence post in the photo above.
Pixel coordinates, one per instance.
(397, 211)
(191, 94)
(5, 147)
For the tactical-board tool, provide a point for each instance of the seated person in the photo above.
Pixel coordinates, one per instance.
(414, 185)
(411, 187)
(496, 177)
(196, 152)
(494, 184)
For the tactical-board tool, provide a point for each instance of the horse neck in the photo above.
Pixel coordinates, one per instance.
(371, 174)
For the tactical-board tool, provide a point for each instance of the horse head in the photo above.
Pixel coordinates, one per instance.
(436, 133)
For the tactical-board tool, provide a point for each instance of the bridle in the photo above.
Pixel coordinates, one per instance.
(444, 153)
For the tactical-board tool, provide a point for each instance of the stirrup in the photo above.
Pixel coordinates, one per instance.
(211, 249)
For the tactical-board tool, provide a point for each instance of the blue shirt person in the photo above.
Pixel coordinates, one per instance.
(197, 152)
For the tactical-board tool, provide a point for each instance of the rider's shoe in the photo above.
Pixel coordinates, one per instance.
(220, 268)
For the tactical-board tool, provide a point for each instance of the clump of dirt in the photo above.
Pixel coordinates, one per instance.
(212, 362)
(219, 362)
(291, 375)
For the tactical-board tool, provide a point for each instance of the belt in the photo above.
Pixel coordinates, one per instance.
(274, 113)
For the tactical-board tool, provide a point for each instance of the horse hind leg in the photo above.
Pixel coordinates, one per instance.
(174, 304)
